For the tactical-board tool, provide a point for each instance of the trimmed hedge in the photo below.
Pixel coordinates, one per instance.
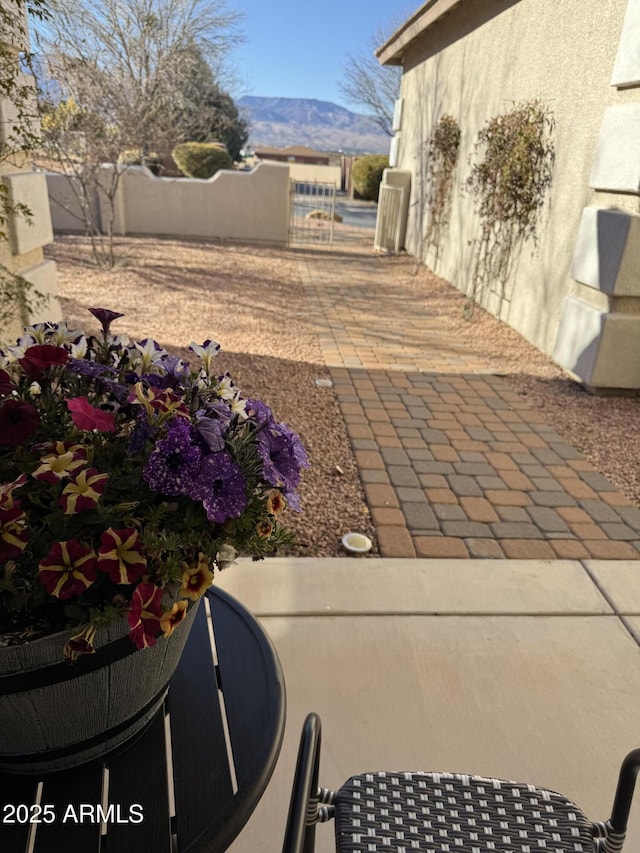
(367, 174)
(201, 159)
(134, 157)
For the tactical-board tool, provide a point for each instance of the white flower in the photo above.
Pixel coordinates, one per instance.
(239, 407)
(62, 334)
(79, 348)
(226, 556)
(226, 389)
(14, 354)
(207, 352)
(150, 353)
(119, 340)
(34, 389)
(36, 334)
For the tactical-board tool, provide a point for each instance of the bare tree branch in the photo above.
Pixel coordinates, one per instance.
(372, 86)
(129, 61)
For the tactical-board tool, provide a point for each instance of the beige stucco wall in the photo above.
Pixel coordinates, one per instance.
(21, 254)
(242, 206)
(474, 64)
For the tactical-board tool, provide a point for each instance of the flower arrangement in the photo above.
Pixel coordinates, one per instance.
(127, 477)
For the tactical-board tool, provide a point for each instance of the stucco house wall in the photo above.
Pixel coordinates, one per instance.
(475, 59)
(21, 254)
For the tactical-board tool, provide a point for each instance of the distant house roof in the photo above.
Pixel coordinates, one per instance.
(292, 151)
(392, 51)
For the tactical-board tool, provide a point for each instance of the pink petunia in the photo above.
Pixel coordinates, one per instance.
(86, 416)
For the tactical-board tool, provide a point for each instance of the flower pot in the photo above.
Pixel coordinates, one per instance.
(56, 714)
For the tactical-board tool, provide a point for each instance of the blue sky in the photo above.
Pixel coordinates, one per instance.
(297, 49)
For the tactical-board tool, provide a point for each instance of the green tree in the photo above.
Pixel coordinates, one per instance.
(207, 113)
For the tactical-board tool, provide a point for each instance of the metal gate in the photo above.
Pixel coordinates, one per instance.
(311, 212)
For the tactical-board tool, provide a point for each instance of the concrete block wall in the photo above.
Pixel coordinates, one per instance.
(22, 253)
(599, 327)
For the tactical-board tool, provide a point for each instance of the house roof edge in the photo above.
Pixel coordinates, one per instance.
(391, 52)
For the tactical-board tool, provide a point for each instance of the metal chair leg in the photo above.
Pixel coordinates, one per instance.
(616, 826)
(301, 825)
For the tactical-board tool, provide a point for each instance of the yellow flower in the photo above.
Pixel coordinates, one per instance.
(197, 580)
(264, 528)
(275, 502)
(170, 620)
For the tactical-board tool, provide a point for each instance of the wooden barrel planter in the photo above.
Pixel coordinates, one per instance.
(57, 714)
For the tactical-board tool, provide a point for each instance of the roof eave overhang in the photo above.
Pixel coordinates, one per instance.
(392, 51)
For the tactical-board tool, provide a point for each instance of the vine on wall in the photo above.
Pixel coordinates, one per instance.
(442, 156)
(510, 184)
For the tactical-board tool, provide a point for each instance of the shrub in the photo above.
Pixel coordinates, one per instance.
(201, 159)
(367, 174)
(135, 157)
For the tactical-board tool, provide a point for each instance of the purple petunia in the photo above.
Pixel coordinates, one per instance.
(174, 465)
(89, 368)
(140, 434)
(212, 433)
(221, 488)
(282, 453)
(105, 317)
(218, 410)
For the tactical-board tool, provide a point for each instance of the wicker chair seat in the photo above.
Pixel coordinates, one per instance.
(388, 812)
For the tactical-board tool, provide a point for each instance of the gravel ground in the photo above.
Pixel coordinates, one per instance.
(251, 301)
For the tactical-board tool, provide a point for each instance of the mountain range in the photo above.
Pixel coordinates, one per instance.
(282, 122)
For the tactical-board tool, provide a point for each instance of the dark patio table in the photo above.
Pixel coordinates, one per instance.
(191, 780)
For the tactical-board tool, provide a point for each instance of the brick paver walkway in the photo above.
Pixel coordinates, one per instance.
(453, 463)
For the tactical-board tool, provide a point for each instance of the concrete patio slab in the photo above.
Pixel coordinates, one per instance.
(547, 699)
(620, 582)
(305, 586)
(514, 669)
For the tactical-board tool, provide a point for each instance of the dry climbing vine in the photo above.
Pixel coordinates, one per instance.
(442, 156)
(510, 185)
